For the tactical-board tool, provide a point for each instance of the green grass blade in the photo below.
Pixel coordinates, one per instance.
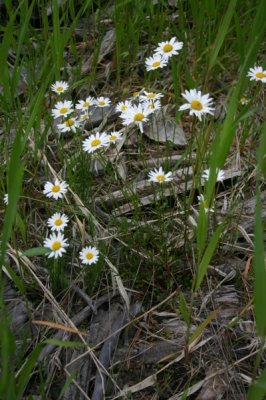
(259, 257)
(222, 32)
(26, 370)
(207, 257)
(36, 251)
(258, 389)
(184, 309)
(15, 174)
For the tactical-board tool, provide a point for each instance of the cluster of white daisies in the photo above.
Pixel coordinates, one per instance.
(56, 242)
(136, 111)
(162, 54)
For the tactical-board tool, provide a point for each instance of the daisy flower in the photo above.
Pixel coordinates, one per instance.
(94, 142)
(136, 114)
(84, 104)
(257, 74)
(219, 172)
(56, 189)
(198, 104)
(123, 106)
(102, 102)
(83, 117)
(153, 105)
(57, 222)
(150, 96)
(114, 137)
(159, 176)
(155, 62)
(71, 124)
(202, 201)
(244, 101)
(6, 199)
(62, 109)
(56, 243)
(89, 255)
(59, 87)
(170, 48)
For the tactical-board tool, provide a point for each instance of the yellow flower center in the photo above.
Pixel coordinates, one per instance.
(156, 64)
(101, 103)
(160, 178)
(56, 246)
(112, 137)
(135, 94)
(167, 47)
(89, 255)
(58, 222)
(138, 117)
(123, 108)
(260, 75)
(151, 106)
(59, 88)
(85, 104)
(63, 110)
(196, 105)
(95, 142)
(243, 100)
(70, 122)
(56, 188)
(85, 116)
(151, 95)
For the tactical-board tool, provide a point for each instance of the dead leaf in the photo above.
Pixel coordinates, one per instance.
(164, 128)
(106, 48)
(214, 387)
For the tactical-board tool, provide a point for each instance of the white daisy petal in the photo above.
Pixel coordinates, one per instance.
(169, 48)
(55, 190)
(58, 222)
(59, 87)
(122, 106)
(83, 105)
(257, 74)
(159, 176)
(89, 255)
(70, 124)
(136, 114)
(152, 105)
(219, 172)
(198, 104)
(95, 142)
(115, 136)
(155, 62)
(102, 102)
(62, 109)
(57, 244)
(150, 96)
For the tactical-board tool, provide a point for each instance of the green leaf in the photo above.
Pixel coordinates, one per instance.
(207, 257)
(259, 272)
(258, 389)
(15, 174)
(26, 370)
(203, 325)
(66, 343)
(183, 308)
(222, 32)
(36, 251)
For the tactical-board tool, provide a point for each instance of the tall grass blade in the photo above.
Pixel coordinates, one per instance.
(222, 32)
(207, 257)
